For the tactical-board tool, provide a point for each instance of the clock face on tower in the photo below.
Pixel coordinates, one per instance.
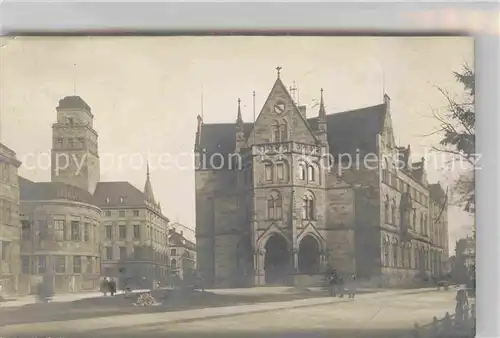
(279, 108)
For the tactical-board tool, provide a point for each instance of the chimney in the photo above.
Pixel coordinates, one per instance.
(303, 111)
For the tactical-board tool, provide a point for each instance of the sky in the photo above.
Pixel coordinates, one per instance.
(146, 92)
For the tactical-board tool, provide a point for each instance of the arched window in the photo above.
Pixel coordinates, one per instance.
(386, 210)
(385, 248)
(268, 171)
(302, 171)
(308, 207)
(282, 171)
(280, 131)
(395, 253)
(385, 171)
(274, 206)
(276, 131)
(393, 212)
(173, 263)
(311, 173)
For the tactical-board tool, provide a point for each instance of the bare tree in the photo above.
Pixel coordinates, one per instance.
(457, 128)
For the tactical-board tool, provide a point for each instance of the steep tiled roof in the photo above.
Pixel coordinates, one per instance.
(347, 131)
(354, 129)
(132, 197)
(46, 191)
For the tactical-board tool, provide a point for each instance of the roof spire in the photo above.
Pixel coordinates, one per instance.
(278, 70)
(322, 111)
(239, 119)
(148, 189)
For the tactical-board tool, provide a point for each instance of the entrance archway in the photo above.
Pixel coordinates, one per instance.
(276, 260)
(309, 255)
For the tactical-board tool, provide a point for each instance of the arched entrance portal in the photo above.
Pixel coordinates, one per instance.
(309, 255)
(276, 260)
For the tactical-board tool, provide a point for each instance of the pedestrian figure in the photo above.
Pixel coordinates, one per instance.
(105, 286)
(352, 286)
(462, 302)
(112, 287)
(340, 285)
(331, 279)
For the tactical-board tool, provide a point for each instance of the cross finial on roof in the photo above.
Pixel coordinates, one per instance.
(278, 69)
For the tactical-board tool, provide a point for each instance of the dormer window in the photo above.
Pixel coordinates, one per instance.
(107, 200)
(122, 200)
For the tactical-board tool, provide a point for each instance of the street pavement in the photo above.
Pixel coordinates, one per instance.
(62, 298)
(385, 314)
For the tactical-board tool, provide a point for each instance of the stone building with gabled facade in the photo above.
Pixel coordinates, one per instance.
(283, 199)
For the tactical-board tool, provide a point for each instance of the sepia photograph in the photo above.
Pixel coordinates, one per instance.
(224, 186)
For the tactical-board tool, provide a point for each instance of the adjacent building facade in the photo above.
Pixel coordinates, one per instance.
(9, 222)
(182, 252)
(134, 234)
(281, 200)
(75, 226)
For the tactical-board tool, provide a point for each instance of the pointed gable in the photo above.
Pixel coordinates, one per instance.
(278, 108)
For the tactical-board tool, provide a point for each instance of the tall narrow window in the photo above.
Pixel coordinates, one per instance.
(283, 131)
(137, 233)
(280, 171)
(5, 251)
(42, 264)
(75, 230)
(274, 206)
(393, 213)
(109, 253)
(60, 230)
(25, 265)
(90, 265)
(86, 234)
(276, 132)
(122, 231)
(60, 264)
(308, 212)
(43, 230)
(269, 171)
(386, 210)
(77, 264)
(302, 171)
(311, 173)
(108, 231)
(395, 251)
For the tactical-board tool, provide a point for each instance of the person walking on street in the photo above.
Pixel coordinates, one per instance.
(112, 287)
(462, 303)
(352, 286)
(332, 283)
(340, 286)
